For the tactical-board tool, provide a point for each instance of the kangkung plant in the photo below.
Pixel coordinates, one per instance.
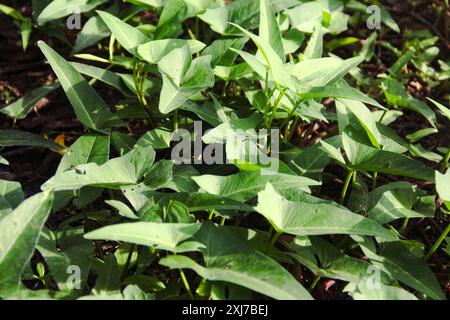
(176, 212)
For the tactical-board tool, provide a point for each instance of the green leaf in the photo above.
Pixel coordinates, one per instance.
(25, 32)
(365, 118)
(62, 251)
(154, 51)
(20, 108)
(3, 161)
(364, 157)
(324, 71)
(245, 185)
(125, 170)
(313, 160)
(444, 110)
(307, 15)
(159, 175)
(194, 201)
(11, 191)
(302, 214)
(89, 107)
(129, 37)
(163, 236)
(145, 282)
(93, 31)
(122, 209)
(344, 92)
(88, 148)
(13, 13)
(231, 260)
(443, 187)
(387, 19)
(19, 233)
(122, 142)
(109, 277)
(419, 134)
(157, 138)
(62, 8)
(268, 28)
(332, 263)
(400, 63)
(314, 49)
(244, 13)
(394, 201)
(108, 77)
(183, 78)
(220, 52)
(361, 291)
(397, 261)
(13, 138)
(273, 62)
(397, 95)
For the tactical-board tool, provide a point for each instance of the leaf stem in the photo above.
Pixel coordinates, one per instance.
(211, 215)
(186, 284)
(275, 107)
(175, 120)
(445, 162)
(346, 184)
(272, 241)
(314, 283)
(437, 243)
(374, 180)
(404, 225)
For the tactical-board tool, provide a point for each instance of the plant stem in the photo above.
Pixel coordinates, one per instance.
(437, 243)
(374, 180)
(186, 284)
(445, 162)
(273, 241)
(346, 184)
(266, 93)
(314, 283)
(211, 215)
(112, 39)
(175, 120)
(275, 107)
(404, 225)
(383, 115)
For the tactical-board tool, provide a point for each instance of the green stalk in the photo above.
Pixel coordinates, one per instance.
(404, 225)
(275, 107)
(313, 285)
(111, 47)
(437, 243)
(374, 180)
(383, 115)
(346, 184)
(445, 162)
(266, 93)
(185, 282)
(175, 120)
(273, 241)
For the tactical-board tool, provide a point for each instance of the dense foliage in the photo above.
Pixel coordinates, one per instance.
(358, 206)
